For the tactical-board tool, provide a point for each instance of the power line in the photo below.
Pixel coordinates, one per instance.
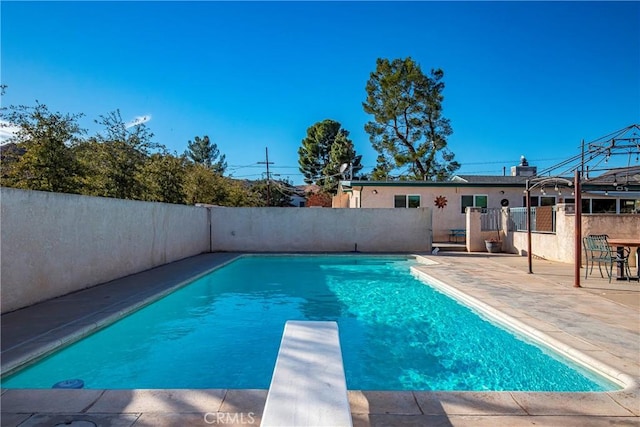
(245, 176)
(237, 167)
(259, 164)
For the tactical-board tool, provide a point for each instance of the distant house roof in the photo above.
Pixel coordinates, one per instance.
(308, 188)
(490, 179)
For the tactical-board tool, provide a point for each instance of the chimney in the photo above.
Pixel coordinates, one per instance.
(523, 169)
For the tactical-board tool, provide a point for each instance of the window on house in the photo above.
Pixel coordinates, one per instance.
(406, 201)
(608, 205)
(603, 206)
(629, 206)
(547, 200)
(539, 201)
(473, 201)
(533, 199)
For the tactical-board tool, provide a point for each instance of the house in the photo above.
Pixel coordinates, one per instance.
(310, 195)
(449, 199)
(298, 197)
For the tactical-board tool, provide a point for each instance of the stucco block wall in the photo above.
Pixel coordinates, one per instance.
(619, 226)
(560, 246)
(53, 244)
(320, 229)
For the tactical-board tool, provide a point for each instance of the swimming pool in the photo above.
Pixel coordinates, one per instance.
(224, 329)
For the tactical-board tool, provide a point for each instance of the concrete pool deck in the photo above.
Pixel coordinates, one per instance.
(601, 320)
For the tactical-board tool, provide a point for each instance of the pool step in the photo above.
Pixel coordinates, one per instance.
(449, 247)
(308, 387)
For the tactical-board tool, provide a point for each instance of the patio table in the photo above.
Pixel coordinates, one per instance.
(620, 244)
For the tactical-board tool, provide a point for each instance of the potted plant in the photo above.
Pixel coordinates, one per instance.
(494, 245)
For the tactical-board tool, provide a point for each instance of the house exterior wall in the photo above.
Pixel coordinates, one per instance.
(54, 244)
(558, 246)
(444, 219)
(340, 200)
(320, 230)
(298, 201)
(354, 199)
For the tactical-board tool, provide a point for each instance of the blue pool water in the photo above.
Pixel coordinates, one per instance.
(224, 331)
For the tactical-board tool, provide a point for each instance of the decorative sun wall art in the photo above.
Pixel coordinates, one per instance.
(440, 202)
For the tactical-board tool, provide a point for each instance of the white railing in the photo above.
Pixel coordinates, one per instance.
(543, 219)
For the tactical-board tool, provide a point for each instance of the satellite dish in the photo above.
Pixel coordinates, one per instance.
(343, 167)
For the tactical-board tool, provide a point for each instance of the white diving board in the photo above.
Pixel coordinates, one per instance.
(308, 387)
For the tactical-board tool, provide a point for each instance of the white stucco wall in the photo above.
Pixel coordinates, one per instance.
(53, 244)
(560, 246)
(320, 229)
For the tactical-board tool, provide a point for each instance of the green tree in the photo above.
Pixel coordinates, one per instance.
(115, 158)
(205, 152)
(43, 157)
(280, 192)
(319, 198)
(382, 169)
(163, 176)
(325, 148)
(202, 185)
(408, 126)
(241, 194)
(93, 158)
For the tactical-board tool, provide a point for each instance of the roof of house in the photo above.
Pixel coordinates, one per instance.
(620, 176)
(456, 181)
(628, 178)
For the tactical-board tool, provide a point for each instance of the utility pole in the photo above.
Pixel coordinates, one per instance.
(267, 162)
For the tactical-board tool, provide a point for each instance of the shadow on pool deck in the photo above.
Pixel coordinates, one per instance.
(600, 319)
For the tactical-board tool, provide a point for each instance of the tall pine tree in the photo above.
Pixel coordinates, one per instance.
(326, 147)
(408, 128)
(205, 152)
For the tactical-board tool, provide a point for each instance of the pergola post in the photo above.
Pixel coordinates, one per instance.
(578, 230)
(528, 203)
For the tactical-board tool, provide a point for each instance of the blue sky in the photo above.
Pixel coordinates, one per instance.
(522, 78)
